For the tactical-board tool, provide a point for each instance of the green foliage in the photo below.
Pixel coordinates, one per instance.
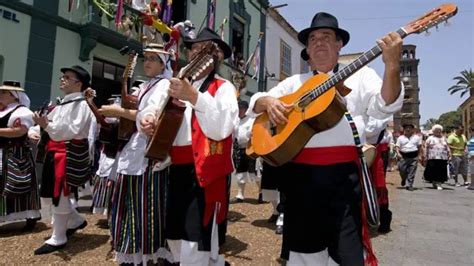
(449, 120)
(464, 83)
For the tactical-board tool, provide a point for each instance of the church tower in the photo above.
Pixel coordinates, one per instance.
(410, 112)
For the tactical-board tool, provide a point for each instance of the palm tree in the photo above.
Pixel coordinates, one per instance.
(464, 84)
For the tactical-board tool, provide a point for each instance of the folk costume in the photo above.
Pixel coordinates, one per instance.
(19, 195)
(138, 216)
(66, 161)
(377, 135)
(323, 220)
(436, 153)
(201, 163)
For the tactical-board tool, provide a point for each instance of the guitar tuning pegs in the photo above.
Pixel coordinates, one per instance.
(427, 33)
(447, 23)
(437, 28)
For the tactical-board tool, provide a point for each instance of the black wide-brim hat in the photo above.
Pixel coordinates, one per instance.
(207, 34)
(324, 20)
(408, 125)
(81, 73)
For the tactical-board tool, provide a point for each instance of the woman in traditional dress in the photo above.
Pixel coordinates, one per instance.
(437, 154)
(137, 218)
(19, 197)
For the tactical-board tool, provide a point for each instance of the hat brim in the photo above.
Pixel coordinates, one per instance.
(408, 125)
(158, 51)
(222, 45)
(64, 69)
(11, 88)
(303, 35)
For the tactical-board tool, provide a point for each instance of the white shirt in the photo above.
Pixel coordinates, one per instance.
(71, 120)
(22, 114)
(408, 144)
(243, 132)
(373, 129)
(131, 160)
(217, 116)
(363, 101)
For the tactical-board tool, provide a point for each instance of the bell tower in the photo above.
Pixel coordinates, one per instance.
(410, 112)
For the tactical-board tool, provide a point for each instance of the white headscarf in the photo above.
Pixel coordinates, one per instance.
(166, 59)
(22, 98)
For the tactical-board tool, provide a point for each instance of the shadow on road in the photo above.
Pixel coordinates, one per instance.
(15, 228)
(233, 247)
(234, 216)
(76, 245)
(264, 223)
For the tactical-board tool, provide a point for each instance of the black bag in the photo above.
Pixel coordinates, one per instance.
(18, 173)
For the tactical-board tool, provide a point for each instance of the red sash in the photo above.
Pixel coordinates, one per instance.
(59, 149)
(378, 174)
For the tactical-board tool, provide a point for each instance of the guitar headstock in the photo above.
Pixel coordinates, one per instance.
(430, 19)
(203, 60)
(90, 94)
(132, 62)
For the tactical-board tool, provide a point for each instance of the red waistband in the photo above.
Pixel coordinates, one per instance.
(60, 146)
(381, 147)
(181, 154)
(327, 155)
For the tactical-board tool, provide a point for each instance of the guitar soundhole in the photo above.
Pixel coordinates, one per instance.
(273, 130)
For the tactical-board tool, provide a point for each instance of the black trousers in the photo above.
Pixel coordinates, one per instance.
(323, 210)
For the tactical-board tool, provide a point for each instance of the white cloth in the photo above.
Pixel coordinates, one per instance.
(105, 165)
(23, 114)
(363, 101)
(316, 259)
(408, 144)
(217, 116)
(374, 127)
(243, 132)
(23, 99)
(132, 159)
(70, 121)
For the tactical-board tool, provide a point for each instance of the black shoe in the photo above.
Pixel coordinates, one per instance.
(30, 225)
(410, 188)
(47, 248)
(70, 232)
(260, 199)
(279, 230)
(273, 218)
(236, 200)
(403, 182)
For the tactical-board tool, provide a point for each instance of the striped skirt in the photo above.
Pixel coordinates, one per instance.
(25, 206)
(138, 217)
(101, 195)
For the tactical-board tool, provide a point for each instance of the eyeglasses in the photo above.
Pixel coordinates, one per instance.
(68, 78)
(151, 58)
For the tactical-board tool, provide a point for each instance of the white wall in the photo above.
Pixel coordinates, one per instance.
(274, 34)
(14, 39)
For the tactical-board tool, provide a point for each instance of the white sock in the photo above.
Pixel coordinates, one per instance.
(59, 230)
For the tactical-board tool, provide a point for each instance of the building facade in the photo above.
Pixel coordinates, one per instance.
(283, 50)
(467, 111)
(40, 37)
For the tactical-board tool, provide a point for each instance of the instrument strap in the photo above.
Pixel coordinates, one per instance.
(368, 188)
(72, 101)
(148, 88)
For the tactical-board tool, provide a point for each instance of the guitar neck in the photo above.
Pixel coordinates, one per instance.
(350, 69)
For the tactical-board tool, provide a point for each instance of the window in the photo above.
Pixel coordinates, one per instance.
(285, 60)
(238, 30)
(107, 70)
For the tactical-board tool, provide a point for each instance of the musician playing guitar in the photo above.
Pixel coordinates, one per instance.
(137, 218)
(201, 160)
(323, 217)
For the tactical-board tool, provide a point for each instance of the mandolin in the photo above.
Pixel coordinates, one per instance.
(127, 127)
(318, 104)
(170, 120)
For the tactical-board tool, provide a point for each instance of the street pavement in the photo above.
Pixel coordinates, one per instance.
(430, 227)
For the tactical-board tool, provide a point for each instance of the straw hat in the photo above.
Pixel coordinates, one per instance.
(11, 85)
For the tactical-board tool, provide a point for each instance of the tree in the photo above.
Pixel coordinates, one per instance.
(450, 120)
(464, 84)
(430, 123)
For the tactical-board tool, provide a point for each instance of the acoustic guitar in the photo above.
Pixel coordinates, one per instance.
(318, 103)
(169, 121)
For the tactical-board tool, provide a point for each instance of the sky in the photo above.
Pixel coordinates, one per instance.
(443, 54)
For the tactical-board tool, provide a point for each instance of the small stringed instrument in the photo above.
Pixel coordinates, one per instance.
(318, 105)
(108, 133)
(170, 120)
(44, 137)
(127, 127)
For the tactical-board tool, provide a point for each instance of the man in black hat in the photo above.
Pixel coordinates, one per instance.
(197, 198)
(66, 163)
(323, 218)
(408, 148)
